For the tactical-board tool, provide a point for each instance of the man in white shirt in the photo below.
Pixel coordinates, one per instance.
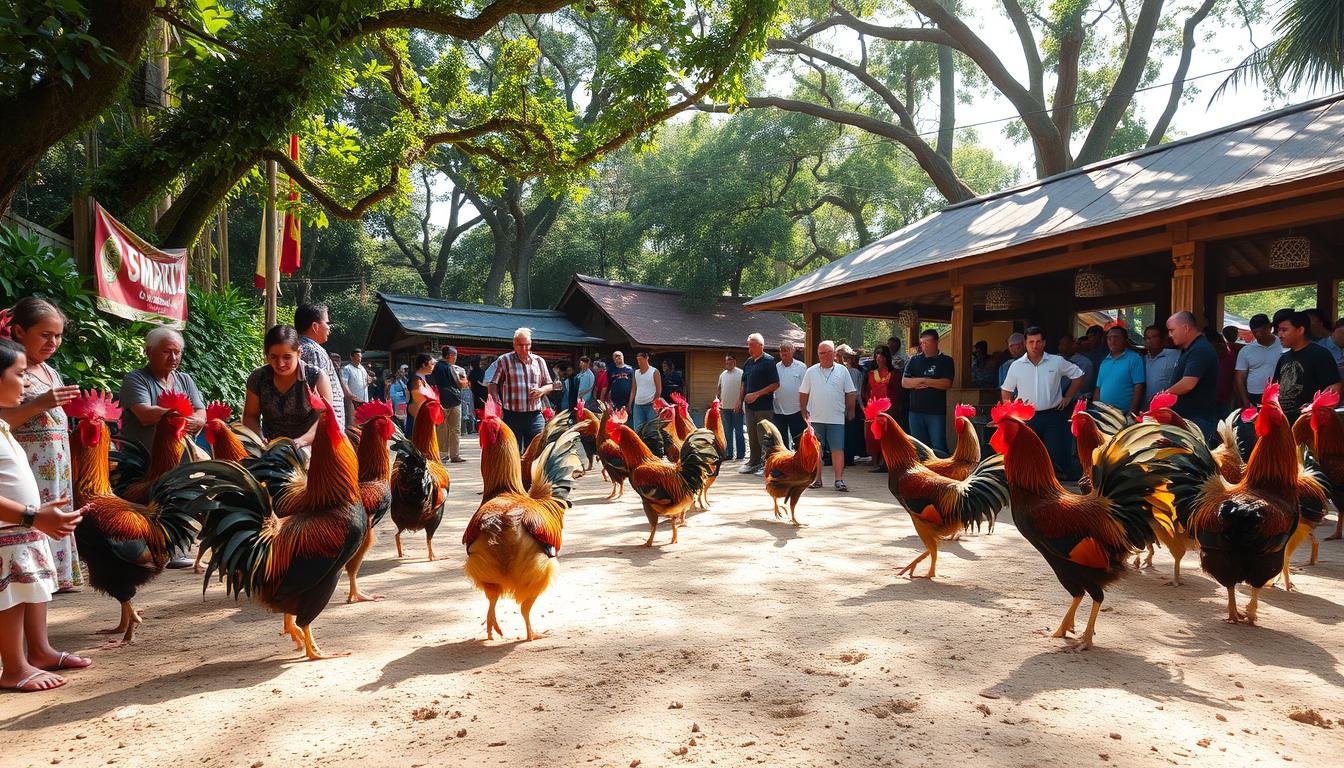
(788, 410)
(1037, 377)
(355, 383)
(826, 396)
(1159, 362)
(1256, 361)
(729, 393)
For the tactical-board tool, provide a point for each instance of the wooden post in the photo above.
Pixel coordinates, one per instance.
(1187, 280)
(962, 334)
(223, 230)
(813, 337)
(82, 242)
(272, 247)
(1327, 299)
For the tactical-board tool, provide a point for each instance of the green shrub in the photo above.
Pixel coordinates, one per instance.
(223, 334)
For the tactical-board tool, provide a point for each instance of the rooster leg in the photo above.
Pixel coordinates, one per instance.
(674, 529)
(653, 526)
(1085, 642)
(196, 566)
(429, 544)
(775, 501)
(492, 592)
(293, 631)
(1252, 606)
(910, 568)
(1176, 545)
(1339, 524)
(315, 653)
(1148, 562)
(526, 608)
(352, 571)
(400, 553)
(1315, 549)
(1066, 626)
(612, 495)
(930, 540)
(129, 621)
(1233, 615)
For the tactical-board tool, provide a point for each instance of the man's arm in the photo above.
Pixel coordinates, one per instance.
(657, 380)
(802, 403)
(1183, 386)
(850, 398)
(345, 384)
(135, 397)
(1005, 395)
(1067, 400)
(1136, 402)
(1243, 394)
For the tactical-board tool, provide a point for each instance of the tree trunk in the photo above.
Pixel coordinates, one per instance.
(947, 99)
(499, 267)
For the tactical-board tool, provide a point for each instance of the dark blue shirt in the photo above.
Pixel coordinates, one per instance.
(757, 375)
(1201, 361)
(619, 382)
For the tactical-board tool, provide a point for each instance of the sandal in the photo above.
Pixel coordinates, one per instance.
(23, 686)
(840, 486)
(816, 484)
(69, 661)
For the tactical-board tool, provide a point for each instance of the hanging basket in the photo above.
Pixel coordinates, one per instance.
(998, 298)
(1290, 253)
(907, 317)
(1088, 284)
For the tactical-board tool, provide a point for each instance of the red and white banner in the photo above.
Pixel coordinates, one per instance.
(136, 280)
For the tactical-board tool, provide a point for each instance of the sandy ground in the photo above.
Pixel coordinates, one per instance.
(749, 642)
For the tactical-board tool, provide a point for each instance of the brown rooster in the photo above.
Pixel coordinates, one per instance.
(788, 473)
(375, 489)
(229, 441)
(714, 423)
(124, 544)
(1092, 425)
(556, 425)
(666, 488)
(939, 506)
(287, 552)
(136, 472)
(514, 538)
(419, 481)
(1327, 447)
(1084, 538)
(609, 453)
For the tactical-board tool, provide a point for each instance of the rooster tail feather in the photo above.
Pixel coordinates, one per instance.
(699, 459)
(1109, 419)
(1125, 473)
(236, 509)
(129, 462)
(923, 452)
(983, 494)
(553, 471)
(771, 439)
(654, 437)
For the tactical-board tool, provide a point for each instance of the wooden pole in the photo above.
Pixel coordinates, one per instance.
(272, 247)
(223, 246)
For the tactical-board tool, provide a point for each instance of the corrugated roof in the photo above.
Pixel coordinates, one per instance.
(1275, 148)
(457, 320)
(655, 317)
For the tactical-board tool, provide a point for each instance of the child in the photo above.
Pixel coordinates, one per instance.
(29, 660)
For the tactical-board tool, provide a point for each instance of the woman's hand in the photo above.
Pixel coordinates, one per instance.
(55, 398)
(56, 523)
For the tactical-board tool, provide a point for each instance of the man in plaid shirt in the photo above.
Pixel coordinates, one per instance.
(521, 383)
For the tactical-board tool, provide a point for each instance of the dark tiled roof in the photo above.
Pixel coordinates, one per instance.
(419, 316)
(1297, 142)
(655, 317)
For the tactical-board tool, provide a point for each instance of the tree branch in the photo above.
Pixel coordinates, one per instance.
(844, 18)
(169, 15)
(1178, 80)
(861, 74)
(1122, 90)
(1035, 71)
(460, 27)
(396, 79)
(1066, 78)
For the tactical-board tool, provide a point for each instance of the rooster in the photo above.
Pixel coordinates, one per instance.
(229, 441)
(376, 428)
(556, 425)
(609, 453)
(1327, 448)
(965, 457)
(136, 471)
(714, 423)
(1243, 528)
(514, 538)
(419, 481)
(788, 473)
(1092, 425)
(1227, 455)
(1084, 538)
(124, 544)
(286, 547)
(939, 506)
(666, 488)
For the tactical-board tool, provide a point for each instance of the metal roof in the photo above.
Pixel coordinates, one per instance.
(1297, 142)
(420, 316)
(655, 317)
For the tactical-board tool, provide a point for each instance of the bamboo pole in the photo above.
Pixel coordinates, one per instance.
(272, 247)
(223, 231)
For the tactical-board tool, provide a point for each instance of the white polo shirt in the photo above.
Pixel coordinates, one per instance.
(1039, 383)
(1258, 362)
(790, 379)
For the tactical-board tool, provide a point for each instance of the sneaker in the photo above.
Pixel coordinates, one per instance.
(746, 469)
(760, 472)
(457, 460)
(181, 562)
(840, 486)
(816, 484)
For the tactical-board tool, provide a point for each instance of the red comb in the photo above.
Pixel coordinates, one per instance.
(6, 321)
(1248, 415)
(1080, 406)
(1271, 393)
(547, 413)
(659, 404)
(714, 406)
(1162, 400)
(1014, 410)
(1327, 399)
(579, 409)
(618, 416)
(93, 404)
(678, 399)
(218, 411)
(491, 410)
(876, 406)
(372, 410)
(963, 409)
(176, 401)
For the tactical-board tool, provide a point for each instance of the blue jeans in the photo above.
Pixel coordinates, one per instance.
(525, 425)
(641, 414)
(1208, 426)
(735, 442)
(1052, 426)
(930, 429)
(791, 426)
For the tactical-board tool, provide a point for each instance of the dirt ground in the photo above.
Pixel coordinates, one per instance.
(749, 642)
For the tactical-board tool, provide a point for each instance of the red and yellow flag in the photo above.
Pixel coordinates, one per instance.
(290, 234)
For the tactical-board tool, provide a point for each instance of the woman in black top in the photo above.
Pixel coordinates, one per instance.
(277, 393)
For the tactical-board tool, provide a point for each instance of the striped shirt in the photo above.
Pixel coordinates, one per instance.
(515, 378)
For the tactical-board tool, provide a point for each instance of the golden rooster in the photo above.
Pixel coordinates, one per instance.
(513, 540)
(419, 480)
(714, 423)
(609, 453)
(376, 428)
(667, 489)
(1327, 448)
(939, 506)
(286, 547)
(229, 441)
(124, 544)
(136, 472)
(788, 473)
(1084, 538)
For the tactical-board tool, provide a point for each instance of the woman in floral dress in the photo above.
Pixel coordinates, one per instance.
(39, 422)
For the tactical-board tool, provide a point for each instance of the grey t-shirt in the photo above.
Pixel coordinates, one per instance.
(139, 387)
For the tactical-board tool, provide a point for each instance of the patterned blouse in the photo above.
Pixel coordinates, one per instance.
(284, 414)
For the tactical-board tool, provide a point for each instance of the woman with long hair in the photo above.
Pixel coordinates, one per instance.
(277, 392)
(882, 381)
(38, 423)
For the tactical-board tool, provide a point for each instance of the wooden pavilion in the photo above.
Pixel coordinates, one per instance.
(1253, 206)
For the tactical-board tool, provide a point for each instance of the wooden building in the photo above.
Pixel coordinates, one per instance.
(1252, 206)
(631, 317)
(407, 325)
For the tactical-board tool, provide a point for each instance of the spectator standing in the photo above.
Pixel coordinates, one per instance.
(314, 326)
(376, 389)
(1304, 368)
(601, 383)
(646, 384)
(422, 379)
(1159, 362)
(587, 383)
(729, 394)
(1256, 362)
(1227, 370)
(1194, 380)
(559, 375)
(620, 380)
(400, 396)
(1121, 377)
(1036, 378)
(141, 388)
(1017, 347)
(928, 376)
(788, 416)
(878, 383)
(477, 378)
(520, 384)
(827, 395)
(450, 380)
(982, 365)
(354, 384)
(1334, 342)
(672, 380)
(854, 443)
(1069, 350)
(760, 379)
(1096, 349)
(1319, 325)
